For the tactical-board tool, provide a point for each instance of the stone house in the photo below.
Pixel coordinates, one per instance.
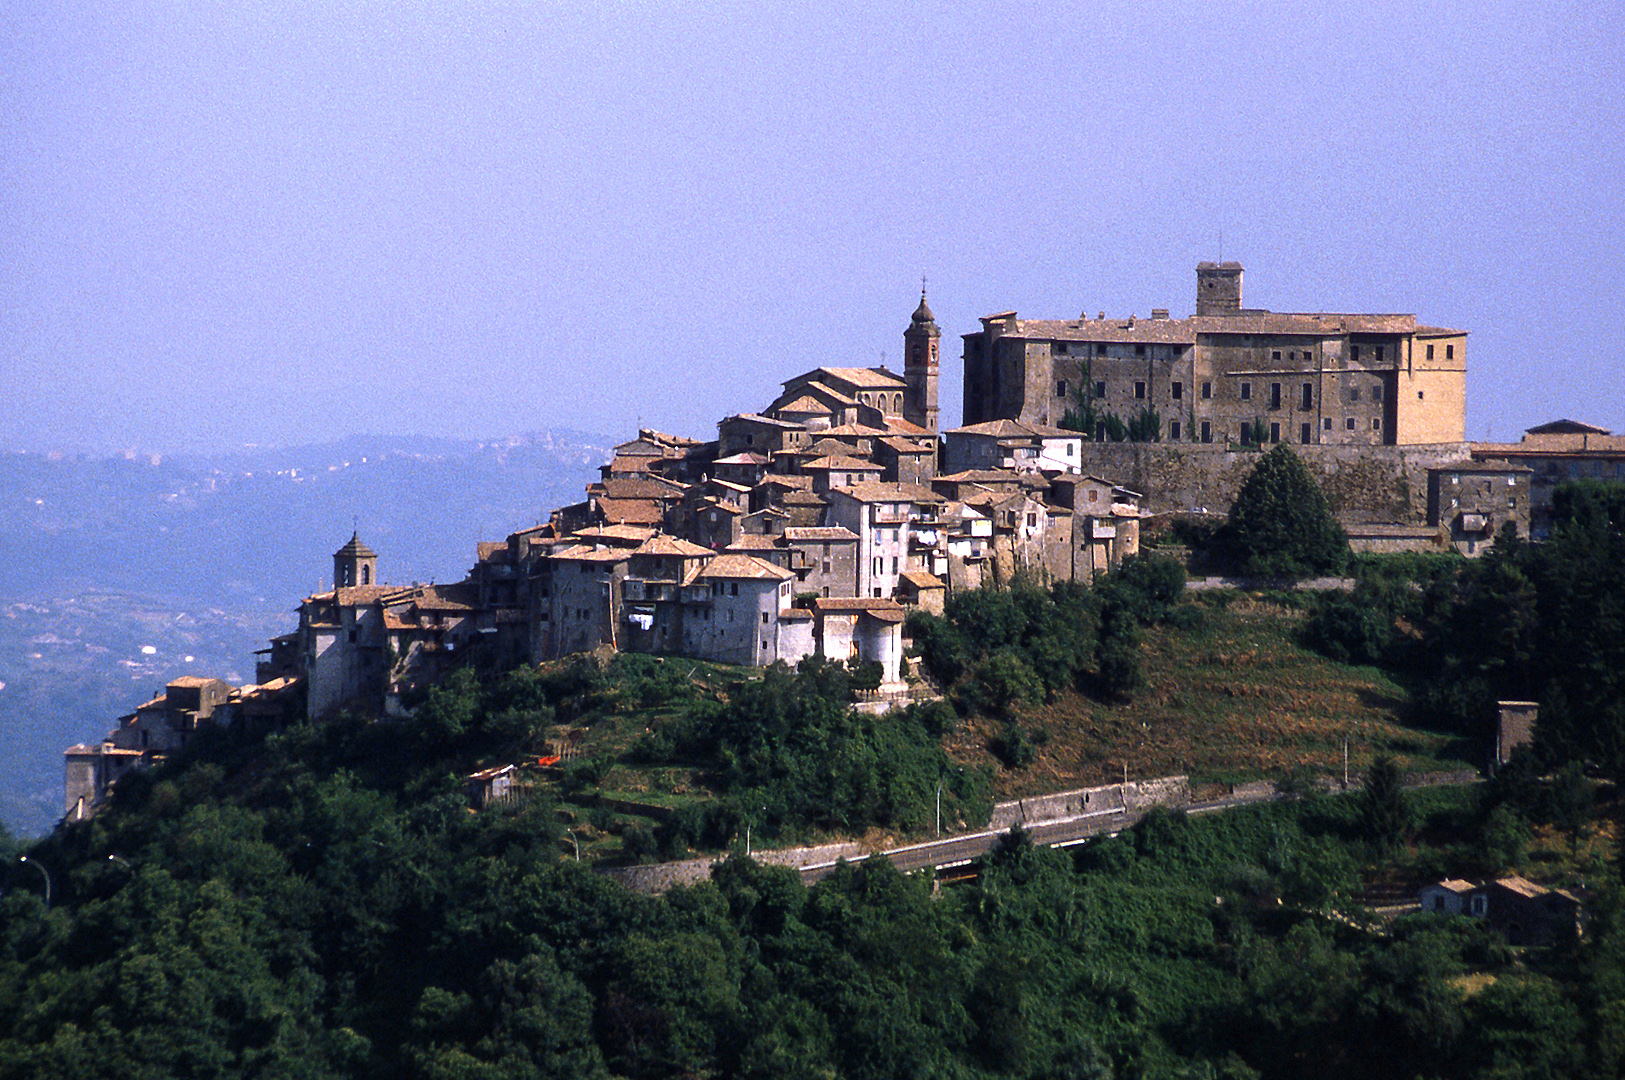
(1523, 912)
(883, 517)
(1554, 453)
(824, 560)
(857, 630)
(738, 621)
(1473, 500)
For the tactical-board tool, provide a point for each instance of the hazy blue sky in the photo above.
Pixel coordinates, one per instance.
(278, 223)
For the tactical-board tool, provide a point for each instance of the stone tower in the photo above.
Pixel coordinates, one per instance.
(354, 564)
(921, 342)
(1218, 288)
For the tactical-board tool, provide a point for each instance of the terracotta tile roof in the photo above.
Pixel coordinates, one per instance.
(883, 608)
(1185, 331)
(630, 535)
(758, 418)
(817, 388)
(899, 426)
(354, 595)
(804, 404)
(751, 542)
(742, 459)
(824, 448)
(861, 431)
(840, 463)
(637, 487)
(799, 483)
(1522, 886)
(804, 498)
(583, 553)
(869, 378)
(874, 491)
(661, 544)
(999, 429)
(823, 533)
(630, 511)
(908, 446)
(744, 567)
(457, 596)
(794, 614)
(921, 580)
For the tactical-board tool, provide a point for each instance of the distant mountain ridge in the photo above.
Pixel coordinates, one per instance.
(200, 556)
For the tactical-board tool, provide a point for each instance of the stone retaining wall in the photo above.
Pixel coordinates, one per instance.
(1366, 484)
(1135, 795)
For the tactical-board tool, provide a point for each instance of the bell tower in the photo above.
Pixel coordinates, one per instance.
(354, 564)
(921, 343)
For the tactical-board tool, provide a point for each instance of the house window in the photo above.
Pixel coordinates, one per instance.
(764, 623)
(1173, 430)
(1275, 433)
(1100, 389)
(1379, 354)
(1060, 388)
(1304, 432)
(1430, 352)
(1139, 350)
(733, 588)
(1308, 401)
(894, 564)
(880, 565)
(1246, 391)
(1275, 395)
(1207, 432)
(1376, 392)
(1354, 393)
(1139, 390)
(1276, 355)
(1449, 352)
(352, 637)
(1100, 349)
(1512, 502)
(1207, 391)
(1100, 432)
(1354, 353)
(1349, 423)
(1376, 423)
(1177, 391)
(1326, 423)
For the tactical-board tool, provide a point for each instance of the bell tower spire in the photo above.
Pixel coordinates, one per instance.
(921, 343)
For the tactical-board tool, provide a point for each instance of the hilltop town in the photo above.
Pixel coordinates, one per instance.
(810, 528)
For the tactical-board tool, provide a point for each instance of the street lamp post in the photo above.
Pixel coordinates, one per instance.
(41, 868)
(939, 807)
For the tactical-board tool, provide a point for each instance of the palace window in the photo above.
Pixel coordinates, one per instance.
(1207, 391)
(1139, 390)
(1173, 430)
(1207, 432)
(1304, 432)
(1060, 388)
(1177, 391)
(1100, 389)
(1349, 423)
(1275, 395)
(1308, 396)
(1246, 391)
(1275, 433)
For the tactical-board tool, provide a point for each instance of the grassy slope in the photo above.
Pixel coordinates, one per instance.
(1236, 699)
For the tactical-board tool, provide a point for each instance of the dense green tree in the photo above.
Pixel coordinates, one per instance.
(1281, 524)
(1385, 811)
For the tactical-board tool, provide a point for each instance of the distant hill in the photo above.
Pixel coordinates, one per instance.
(199, 558)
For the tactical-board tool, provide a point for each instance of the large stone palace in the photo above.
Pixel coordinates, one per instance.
(1226, 373)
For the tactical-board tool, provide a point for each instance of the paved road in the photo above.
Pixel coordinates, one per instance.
(956, 850)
